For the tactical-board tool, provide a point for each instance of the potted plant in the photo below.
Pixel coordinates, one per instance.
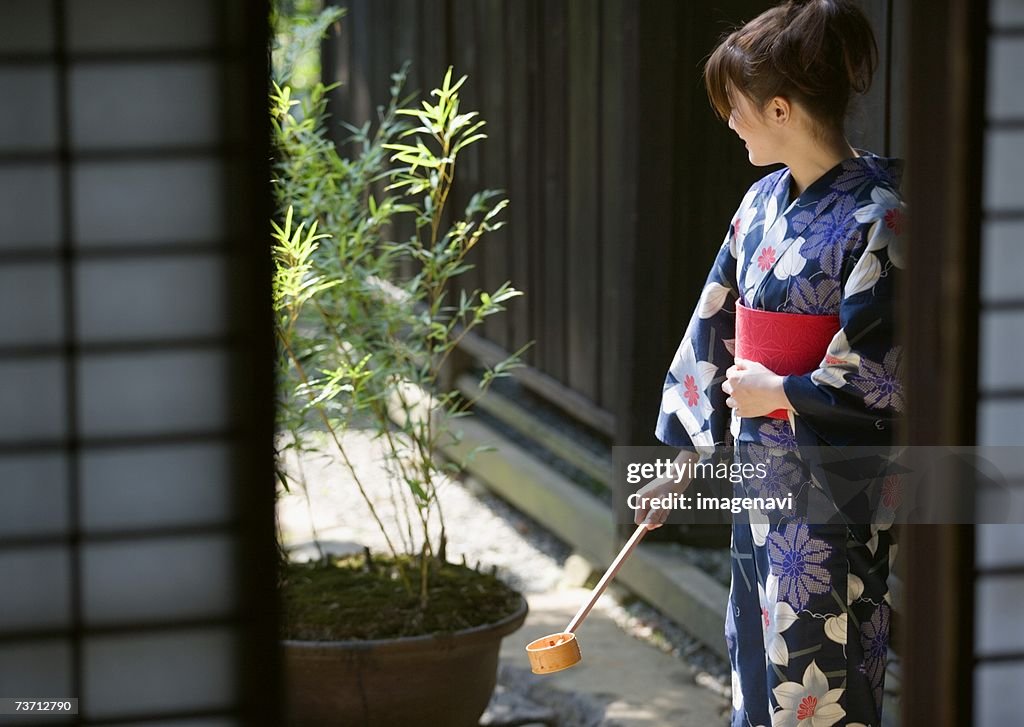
(402, 636)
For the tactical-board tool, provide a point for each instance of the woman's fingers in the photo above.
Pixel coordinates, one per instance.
(649, 515)
(655, 518)
(733, 382)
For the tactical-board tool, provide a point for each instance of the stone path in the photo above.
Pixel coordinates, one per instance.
(621, 680)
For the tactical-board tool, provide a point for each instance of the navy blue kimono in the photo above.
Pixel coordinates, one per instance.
(809, 610)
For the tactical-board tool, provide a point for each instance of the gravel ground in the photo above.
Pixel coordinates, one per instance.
(480, 526)
(713, 561)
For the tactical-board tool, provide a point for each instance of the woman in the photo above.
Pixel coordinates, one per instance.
(808, 618)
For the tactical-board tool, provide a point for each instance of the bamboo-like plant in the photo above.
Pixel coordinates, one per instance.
(357, 342)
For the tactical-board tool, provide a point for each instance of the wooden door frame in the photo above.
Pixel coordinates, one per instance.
(940, 304)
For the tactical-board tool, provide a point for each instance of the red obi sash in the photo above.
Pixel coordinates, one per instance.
(786, 343)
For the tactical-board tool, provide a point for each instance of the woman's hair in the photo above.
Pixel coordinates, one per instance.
(815, 52)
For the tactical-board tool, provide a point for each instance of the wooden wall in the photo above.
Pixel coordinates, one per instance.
(622, 182)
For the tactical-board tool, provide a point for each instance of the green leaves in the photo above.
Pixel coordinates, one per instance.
(295, 281)
(441, 132)
(359, 343)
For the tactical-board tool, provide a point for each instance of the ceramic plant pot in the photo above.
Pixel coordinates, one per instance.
(445, 681)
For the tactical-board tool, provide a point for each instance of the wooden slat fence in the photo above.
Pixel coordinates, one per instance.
(622, 182)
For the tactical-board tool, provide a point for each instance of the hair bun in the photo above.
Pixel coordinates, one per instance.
(818, 52)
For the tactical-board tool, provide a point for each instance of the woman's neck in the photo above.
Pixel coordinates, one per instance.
(807, 164)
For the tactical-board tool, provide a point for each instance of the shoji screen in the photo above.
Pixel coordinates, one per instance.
(136, 505)
(999, 585)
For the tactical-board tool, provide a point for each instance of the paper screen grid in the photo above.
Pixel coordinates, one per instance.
(120, 150)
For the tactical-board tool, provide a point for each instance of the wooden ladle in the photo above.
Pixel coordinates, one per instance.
(555, 652)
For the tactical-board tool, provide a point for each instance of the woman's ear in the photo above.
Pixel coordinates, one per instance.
(779, 110)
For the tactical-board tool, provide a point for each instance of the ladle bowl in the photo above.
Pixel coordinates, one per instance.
(561, 650)
(553, 652)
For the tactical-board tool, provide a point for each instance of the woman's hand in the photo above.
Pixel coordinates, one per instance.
(753, 390)
(659, 487)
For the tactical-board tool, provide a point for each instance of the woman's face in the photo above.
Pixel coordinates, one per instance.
(752, 125)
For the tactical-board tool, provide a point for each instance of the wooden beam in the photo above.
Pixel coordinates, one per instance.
(936, 644)
(945, 107)
(596, 466)
(572, 402)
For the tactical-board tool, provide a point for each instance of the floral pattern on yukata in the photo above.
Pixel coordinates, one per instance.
(809, 613)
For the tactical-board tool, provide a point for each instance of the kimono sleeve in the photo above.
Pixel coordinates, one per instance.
(694, 415)
(855, 396)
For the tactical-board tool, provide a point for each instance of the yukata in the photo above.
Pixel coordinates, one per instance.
(809, 611)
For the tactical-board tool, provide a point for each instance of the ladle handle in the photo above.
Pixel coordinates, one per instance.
(638, 534)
